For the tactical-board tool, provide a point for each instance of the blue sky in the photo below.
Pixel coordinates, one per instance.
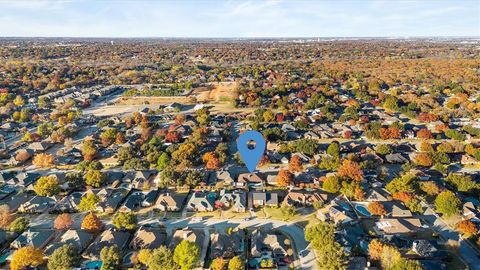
(182, 18)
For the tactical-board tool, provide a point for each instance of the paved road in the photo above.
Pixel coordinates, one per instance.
(467, 252)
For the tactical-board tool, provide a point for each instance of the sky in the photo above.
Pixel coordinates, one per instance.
(287, 18)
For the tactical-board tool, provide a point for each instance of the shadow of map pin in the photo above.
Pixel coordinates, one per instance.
(251, 146)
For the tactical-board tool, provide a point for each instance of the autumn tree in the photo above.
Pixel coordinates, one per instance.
(430, 188)
(295, 164)
(236, 263)
(19, 225)
(89, 150)
(211, 161)
(161, 258)
(329, 252)
(88, 202)
(47, 186)
(43, 160)
(144, 255)
(389, 133)
(375, 249)
(218, 264)
(92, 223)
(284, 178)
(6, 216)
(377, 208)
(26, 257)
(63, 222)
(423, 159)
(467, 228)
(424, 134)
(351, 170)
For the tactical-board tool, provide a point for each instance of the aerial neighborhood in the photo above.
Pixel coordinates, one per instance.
(372, 157)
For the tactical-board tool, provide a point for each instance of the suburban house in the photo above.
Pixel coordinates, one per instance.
(237, 199)
(37, 204)
(170, 201)
(264, 199)
(148, 238)
(397, 226)
(108, 238)
(33, 237)
(201, 201)
(335, 213)
(227, 245)
(262, 242)
(303, 198)
(80, 239)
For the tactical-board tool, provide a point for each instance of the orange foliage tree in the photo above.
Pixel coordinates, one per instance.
(467, 228)
(295, 164)
(377, 208)
(389, 133)
(6, 216)
(43, 160)
(350, 169)
(375, 249)
(63, 222)
(284, 178)
(423, 159)
(424, 134)
(211, 161)
(403, 196)
(92, 223)
(25, 257)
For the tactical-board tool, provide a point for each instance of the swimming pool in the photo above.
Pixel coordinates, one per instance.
(362, 210)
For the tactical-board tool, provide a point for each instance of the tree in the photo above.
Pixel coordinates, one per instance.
(144, 255)
(383, 149)
(423, 159)
(333, 149)
(89, 150)
(47, 186)
(186, 254)
(75, 180)
(284, 178)
(18, 101)
(424, 134)
(160, 259)
(43, 160)
(463, 183)
(88, 202)
(467, 228)
(329, 252)
(25, 257)
(377, 208)
(108, 136)
(331, 184)
(6, 216)
(236, 263)
(350, 169)
(375, 249)
(211, 161)
(430, 188)
(65, 257)
(95, 178)
(92, 223)
(110, 257)
(295, 164)
(125, 220)
(63, 222)
(389, 133)
(447, 203)
(19, 225)
(218, 264)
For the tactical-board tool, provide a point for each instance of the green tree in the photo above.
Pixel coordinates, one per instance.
(331, 184)
(88, 202)
(160, 259)
(63, 258)
(95, 178)
(383, 149)
(334, 149)
(463, 183)
(19, 225)
(125, 220)
(110, 257)
(186, 255)
(447, 203)
(236, 263)
(329, 252)
(47, 186)
(75, 180)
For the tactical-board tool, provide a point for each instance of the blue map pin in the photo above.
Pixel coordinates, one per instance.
(249, 154)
